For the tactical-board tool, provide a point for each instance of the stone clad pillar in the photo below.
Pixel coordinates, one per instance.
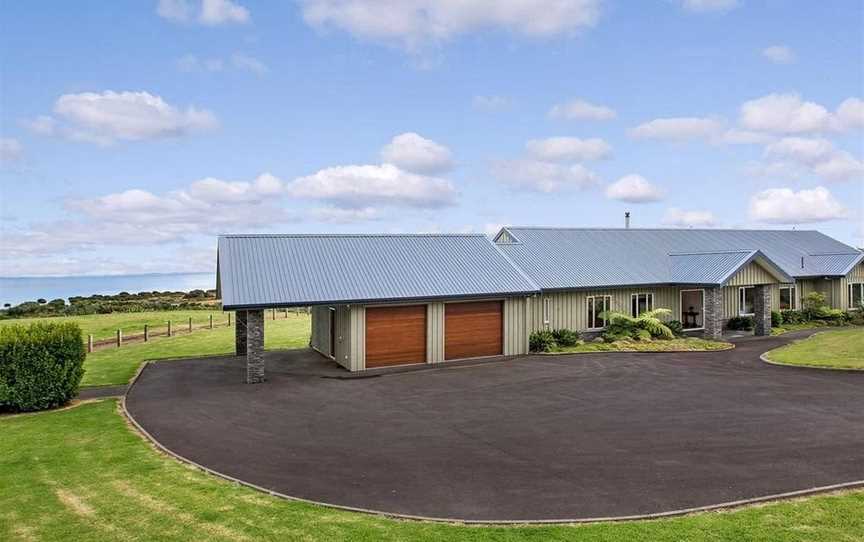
(254, 347)
(762, 309)
(713, 317)
(240, 333)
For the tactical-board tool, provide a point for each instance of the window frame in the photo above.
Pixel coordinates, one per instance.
(851, 288)
(793, 304)
(681, 308)
(649, 302)
(742, 300)
(590, 308)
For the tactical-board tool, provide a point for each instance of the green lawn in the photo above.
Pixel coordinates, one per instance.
(842, 348)
(104, 326)
(83, 474)
(675, 345)
(118, 365)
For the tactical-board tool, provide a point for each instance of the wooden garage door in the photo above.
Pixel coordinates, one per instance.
(473, 329)
(395, 335)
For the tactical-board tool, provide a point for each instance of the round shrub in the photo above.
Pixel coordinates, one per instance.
(541, 341)
(744, 323)
(41, 365)
(776, 319)
(676, 327)
(565, 337)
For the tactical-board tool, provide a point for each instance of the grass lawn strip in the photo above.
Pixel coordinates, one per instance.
(82, 473)
(674, 345)
(837, 349)
(115, 366)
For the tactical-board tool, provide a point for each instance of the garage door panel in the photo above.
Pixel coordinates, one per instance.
(473, 329)
(395, 335)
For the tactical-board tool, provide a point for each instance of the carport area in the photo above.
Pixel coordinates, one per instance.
(533, 438)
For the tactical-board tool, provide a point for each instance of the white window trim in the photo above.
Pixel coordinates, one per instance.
(607, 307)
(792, 297)
(547, 306)
(849, 289)
(741, 303)
(681, 308)
(649, 302)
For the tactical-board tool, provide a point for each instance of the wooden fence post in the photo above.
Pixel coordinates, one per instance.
(190, 324)
(229, 319)
(273, 314)
(169, 328)
(211, 321)
(89, 343)
(146, 333)
(119, 338)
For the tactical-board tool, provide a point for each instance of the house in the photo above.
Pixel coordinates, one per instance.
(384, 300)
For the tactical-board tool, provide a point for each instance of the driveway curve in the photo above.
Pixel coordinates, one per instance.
(534, 438)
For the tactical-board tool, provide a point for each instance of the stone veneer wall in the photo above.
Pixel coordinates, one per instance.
(254, 346)
(762, 310)
(713, 317)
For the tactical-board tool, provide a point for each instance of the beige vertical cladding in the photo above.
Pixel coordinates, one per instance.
(435, 332)
(570, 309)
(730, 299)
(345, 338)
(515, 326)
(856, 276)
(356, 331)
(320, 337)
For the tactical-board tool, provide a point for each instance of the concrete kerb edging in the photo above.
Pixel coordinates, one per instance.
(607, 519)
(730, 347)
(765, 359)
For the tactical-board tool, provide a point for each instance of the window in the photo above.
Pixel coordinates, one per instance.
(746, 297)
(856, 295)
(640, 303)
(787, 298)
(597, 305)
(546, 305)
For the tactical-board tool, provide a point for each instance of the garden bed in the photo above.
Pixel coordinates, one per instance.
(673, 345)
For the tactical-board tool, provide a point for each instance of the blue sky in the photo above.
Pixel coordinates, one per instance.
(135, 132)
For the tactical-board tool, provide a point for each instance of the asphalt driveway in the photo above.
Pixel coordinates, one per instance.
(536, 438)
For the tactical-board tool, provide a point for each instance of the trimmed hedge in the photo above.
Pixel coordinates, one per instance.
(41, 365)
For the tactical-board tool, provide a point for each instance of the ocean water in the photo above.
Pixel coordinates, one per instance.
(16, 290)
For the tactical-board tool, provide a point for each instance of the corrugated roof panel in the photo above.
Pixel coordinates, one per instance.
(556, 258)
(281, 270)
(707, 267)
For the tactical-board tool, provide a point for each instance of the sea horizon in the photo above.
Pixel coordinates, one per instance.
(16, 290)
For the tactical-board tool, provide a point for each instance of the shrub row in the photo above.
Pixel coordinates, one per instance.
(41, 365)
(546, 341)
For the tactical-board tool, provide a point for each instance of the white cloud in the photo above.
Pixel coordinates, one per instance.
(206, 12)
(784, 114)
(11, 150)
(568, 149)
(633, 189)
(678, 129)
(248, 63)
(785, 206)
(709, 5)
(491, 103)
(734, 136)
(577, 109)
(192, 63)
(414, 23)
(850, 113)
(539, 176)
(681, 218)
(107, 117)
(817, 156)
(363, 186)
(413, 152)
(779, 54)
(338, 215)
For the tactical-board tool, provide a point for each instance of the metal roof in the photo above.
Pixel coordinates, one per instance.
(560, 258)
(298, 270)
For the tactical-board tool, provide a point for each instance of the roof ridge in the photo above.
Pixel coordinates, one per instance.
(606, 228)
(352, 235)
(734, 251)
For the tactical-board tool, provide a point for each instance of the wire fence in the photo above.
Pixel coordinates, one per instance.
(172, 328)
